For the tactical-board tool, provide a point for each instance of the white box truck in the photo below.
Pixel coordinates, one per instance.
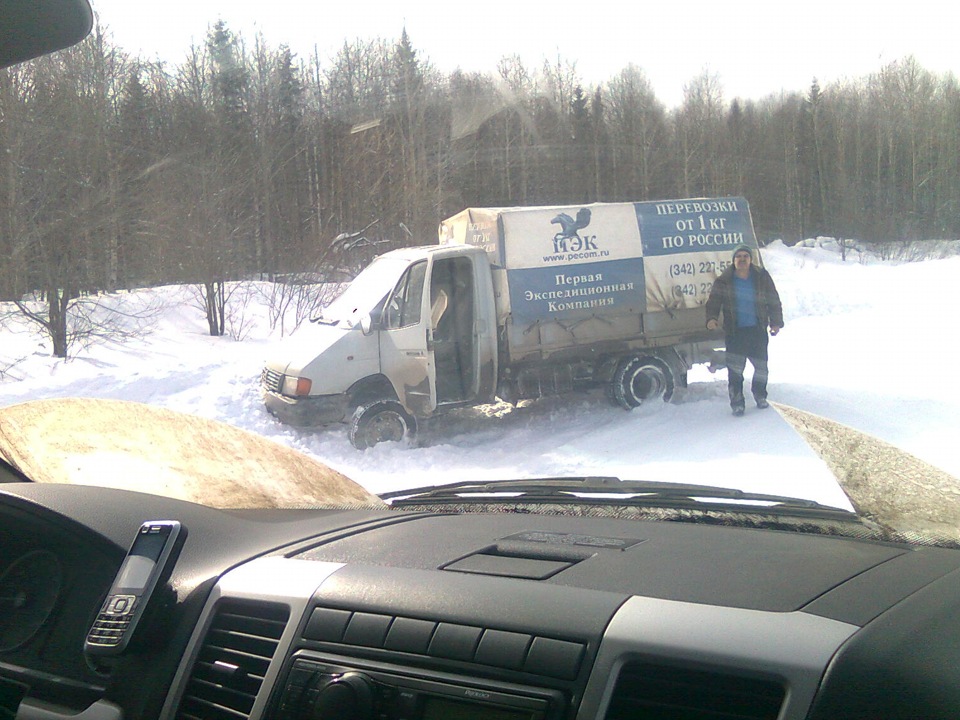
(515, 303)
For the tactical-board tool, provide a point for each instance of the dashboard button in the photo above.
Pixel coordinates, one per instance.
(557, 658)
(456, 642)
(503, 649)
(367, 629)
(327, 624)
(410, 635)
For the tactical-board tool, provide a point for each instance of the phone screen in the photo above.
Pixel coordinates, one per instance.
(140, 562)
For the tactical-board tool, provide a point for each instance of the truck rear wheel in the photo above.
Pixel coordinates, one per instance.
(381, 421)
(642, 379)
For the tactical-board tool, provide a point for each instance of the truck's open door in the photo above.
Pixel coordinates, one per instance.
(452, 302)
(438, 344)
(464, 337)
(406, 353)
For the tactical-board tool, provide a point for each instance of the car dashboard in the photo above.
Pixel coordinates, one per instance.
(412, 615)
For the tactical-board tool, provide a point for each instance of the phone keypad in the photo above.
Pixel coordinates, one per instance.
(113, 620)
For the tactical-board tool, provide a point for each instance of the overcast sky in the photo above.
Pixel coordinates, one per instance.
(757, 47)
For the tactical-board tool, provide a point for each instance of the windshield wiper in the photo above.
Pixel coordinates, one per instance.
(612, 491)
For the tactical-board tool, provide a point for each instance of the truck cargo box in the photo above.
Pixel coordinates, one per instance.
(605, 273)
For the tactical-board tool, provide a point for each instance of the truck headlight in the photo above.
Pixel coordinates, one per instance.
(295, 386)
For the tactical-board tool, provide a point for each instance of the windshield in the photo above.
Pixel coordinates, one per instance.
(364, 293)
(656, 261)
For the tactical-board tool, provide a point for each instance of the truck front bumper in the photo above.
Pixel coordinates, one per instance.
(308, 411)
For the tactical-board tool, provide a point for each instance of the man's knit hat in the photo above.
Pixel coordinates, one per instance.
(744, 247)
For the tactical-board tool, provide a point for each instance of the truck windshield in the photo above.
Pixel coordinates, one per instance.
(364, 293)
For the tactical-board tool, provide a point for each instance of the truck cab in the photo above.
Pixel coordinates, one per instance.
(415, 332)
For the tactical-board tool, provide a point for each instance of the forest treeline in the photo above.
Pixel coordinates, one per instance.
(247, 161)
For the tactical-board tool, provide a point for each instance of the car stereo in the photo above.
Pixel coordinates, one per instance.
(322, 690)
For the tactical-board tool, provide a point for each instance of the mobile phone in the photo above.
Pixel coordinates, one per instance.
(144, 564)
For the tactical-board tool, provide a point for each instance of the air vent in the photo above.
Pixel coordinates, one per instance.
(656, 692)
(233, 660)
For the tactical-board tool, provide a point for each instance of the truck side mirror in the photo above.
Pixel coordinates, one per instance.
(367, 322)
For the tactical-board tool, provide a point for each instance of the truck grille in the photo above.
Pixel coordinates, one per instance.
(271, 380)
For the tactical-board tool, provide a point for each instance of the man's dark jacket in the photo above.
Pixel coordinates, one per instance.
(769, 310)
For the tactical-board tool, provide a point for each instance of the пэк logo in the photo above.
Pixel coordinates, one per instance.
(568, 239)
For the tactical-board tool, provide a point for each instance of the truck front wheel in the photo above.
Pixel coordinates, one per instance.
(642, 379)
(381, 421)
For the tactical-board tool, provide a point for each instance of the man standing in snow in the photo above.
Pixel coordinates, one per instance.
(749, 301)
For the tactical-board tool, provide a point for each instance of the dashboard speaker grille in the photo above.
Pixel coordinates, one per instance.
(231, 665)
(656, 692)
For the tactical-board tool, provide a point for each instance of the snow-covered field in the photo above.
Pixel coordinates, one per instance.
(868, 343)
